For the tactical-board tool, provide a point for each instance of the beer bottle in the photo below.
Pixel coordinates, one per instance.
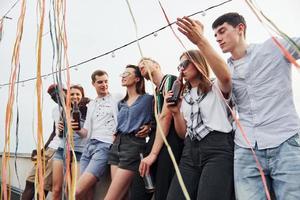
(76, 115)
(62, 119)
(176, 89)
(149, 186)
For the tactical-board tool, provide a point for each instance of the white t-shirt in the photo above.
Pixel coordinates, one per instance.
(213, 110)
(54, 144)
(101, 119)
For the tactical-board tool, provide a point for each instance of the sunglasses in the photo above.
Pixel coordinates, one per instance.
(183, 65)
(125, 74)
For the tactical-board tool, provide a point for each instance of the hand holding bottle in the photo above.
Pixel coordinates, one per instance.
(61, 127)
(76, 115)
(173, 108)
(149, 185)
(176, 91)
(146, 163)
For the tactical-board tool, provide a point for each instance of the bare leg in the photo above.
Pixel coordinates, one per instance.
(85, 186)
(57, 179)
(121, 181)
(113, 170)
(90, 193)
(28, 192)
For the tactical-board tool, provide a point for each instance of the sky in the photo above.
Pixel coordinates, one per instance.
(97, 26)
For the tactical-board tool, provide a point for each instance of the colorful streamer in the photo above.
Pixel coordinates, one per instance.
(15, 63)
(1, 29)
(40, 144)
(271, 27)
(111, 52)
(60, 62)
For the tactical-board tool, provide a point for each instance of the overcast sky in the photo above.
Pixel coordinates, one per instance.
(97, 26)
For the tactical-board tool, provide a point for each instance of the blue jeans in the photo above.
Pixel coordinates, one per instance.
(281, 166)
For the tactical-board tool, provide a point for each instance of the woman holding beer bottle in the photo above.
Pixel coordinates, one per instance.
(201, 117)
(78, 114)
(206, 163)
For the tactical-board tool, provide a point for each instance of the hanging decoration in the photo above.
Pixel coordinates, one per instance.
(15, 63)
(271, 28)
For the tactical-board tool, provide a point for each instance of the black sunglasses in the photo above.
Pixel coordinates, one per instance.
(183, 65)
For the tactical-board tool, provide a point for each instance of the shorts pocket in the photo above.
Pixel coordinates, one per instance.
(294, 140)
(137, 141)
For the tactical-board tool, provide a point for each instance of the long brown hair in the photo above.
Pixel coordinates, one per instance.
(140, 85)
(202, 66)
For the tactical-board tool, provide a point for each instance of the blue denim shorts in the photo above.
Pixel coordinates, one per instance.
(60, 155)
(94, 158)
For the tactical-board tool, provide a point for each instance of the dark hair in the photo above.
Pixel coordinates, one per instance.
(54, 90)
(82, 106)
(83, 102)
(78, 87)
(202, 65)
(231, 18)
(98, 73)
(140, 86)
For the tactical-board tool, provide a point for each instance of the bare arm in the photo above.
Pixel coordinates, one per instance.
(193, 30)
(82, 132)
(51, 136)
(165, 121)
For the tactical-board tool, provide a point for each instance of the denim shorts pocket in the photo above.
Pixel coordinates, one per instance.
(294, 140)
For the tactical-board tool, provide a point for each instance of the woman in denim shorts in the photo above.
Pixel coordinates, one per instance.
(77, 95)
(135, 110)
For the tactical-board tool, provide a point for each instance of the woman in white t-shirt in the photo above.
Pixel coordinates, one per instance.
(201, 117)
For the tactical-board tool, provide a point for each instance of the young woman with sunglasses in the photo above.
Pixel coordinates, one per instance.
(135, 111)
(202, 118)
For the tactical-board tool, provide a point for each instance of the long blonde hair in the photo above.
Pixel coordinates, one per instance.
(202, 66)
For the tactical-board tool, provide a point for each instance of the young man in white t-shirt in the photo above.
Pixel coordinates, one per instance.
(100, 124)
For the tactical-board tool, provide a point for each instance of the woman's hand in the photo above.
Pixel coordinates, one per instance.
(192, 29)
(60, 126)
(74, 124)
(174, 109)
(146, 163)
(144, 131)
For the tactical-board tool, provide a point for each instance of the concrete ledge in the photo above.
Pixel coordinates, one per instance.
(15, 192)
(24, 165)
